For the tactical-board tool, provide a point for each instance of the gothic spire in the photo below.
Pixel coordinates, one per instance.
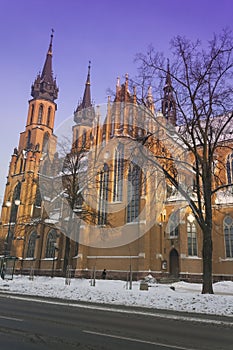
(168, 76)
(86, 101)
(168, 101)
(45, 86)
(47, 74)
(86, 104)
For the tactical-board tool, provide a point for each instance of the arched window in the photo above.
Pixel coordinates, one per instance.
(45, 143)
(144, 184)
(113, 126)
(32, 114)
(103, 138)
(229, 166)
(228, 235)
(122, 115)
(31, 245)
(29, 139)
(133, 193)
(84, 138)
(118, 173)
(103, 195)
(50, 246)
(38, 198)
(21, 165)
(76, 138)
(15, 205)
(45, 167)
(40, 114)
(192, 238)
(130, 122)
(173, 224)
(49, 116)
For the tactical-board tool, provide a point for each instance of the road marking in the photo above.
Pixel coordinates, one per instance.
(126, 311)
(139, 340)
(11, 318)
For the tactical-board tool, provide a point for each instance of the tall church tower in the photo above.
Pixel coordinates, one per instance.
(42, 108)
(22, 201)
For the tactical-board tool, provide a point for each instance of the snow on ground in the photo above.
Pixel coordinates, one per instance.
(186, 296)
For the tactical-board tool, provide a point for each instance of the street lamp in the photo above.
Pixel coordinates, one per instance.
(9, 236)
(8, 263)
(54, 256)
(191, 218)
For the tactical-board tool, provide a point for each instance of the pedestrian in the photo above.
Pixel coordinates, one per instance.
(3, 271)
(104, 273)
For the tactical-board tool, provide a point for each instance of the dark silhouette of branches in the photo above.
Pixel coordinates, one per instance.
(202, 88)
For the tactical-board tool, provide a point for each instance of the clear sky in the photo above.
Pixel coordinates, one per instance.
(107, 32)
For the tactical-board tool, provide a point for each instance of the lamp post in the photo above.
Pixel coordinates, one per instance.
(9, 236)
(191, 218)
(161, 239)
(54, 257)
(8, 264)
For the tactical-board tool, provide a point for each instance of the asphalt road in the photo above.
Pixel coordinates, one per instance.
(43, 325)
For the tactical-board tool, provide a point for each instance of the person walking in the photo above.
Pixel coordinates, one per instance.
(104, 273)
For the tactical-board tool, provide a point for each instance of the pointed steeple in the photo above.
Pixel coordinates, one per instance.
(85, 117)
(45, 86)
(168, 76)
(86, 101)
(168, 101)
(47, 74)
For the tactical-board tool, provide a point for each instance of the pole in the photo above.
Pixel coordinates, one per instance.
(130, 274)
(52, 274)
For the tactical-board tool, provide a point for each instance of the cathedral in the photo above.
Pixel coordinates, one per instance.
(101, 205)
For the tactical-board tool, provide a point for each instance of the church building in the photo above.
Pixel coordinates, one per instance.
(102, 205)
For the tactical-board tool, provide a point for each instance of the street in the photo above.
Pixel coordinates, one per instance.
(27, 324)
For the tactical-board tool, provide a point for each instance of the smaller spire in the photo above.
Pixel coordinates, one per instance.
(126, 82)
(86, 101)
(149, 92)
(168, 76)
(149, 99)
(134, 94)
(87, 92)
(168, 101)
(89, 74)
(50, 51)
(118, 83)
(81, 114)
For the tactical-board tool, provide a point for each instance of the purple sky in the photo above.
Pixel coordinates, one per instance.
(107, 32)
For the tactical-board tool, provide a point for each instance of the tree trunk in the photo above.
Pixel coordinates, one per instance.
(67, 244)
(207, 287)
(66, 255)
(207, 249)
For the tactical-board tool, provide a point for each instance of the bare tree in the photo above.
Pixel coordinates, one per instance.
(202, 90)
(75, 180)
(68, 185)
